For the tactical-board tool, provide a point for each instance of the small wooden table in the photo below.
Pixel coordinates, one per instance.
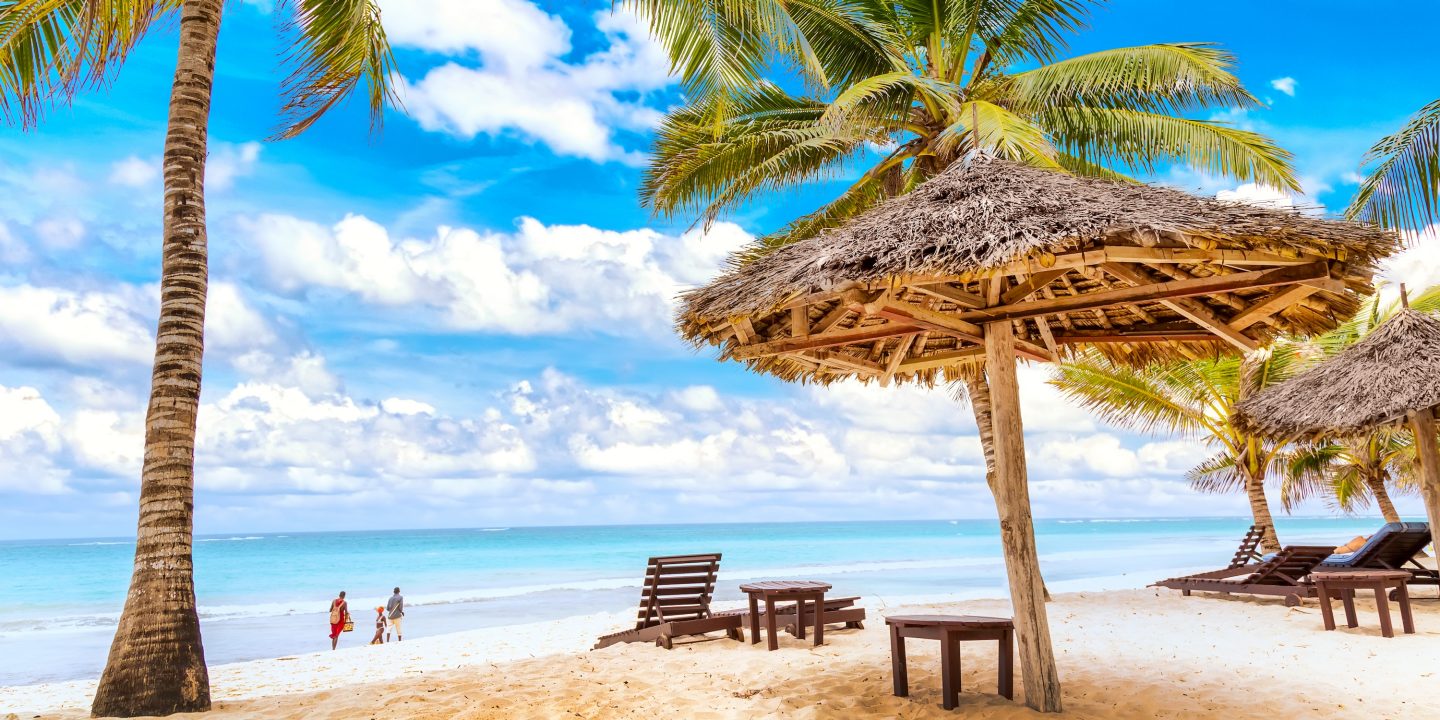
(950, 630)
(1345, 583)
(797, 591)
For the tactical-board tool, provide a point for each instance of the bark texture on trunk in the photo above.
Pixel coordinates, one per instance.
(1382, 498)
(157, 664)
(1260, 510)
(1017, 530)
(1423, 423)
(978, 389)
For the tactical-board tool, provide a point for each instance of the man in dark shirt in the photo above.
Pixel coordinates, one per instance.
(395, 607)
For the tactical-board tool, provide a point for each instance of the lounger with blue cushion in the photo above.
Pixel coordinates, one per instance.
(1392, 547)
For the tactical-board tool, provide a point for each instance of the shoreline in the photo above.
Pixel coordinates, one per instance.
(1123, 653)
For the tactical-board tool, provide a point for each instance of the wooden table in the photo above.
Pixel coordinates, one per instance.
(1345, 583)
(796, 591)
(950, 630)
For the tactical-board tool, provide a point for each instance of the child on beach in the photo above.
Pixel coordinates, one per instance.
(379, 638)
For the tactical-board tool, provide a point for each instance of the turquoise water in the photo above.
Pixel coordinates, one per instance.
(265, 595)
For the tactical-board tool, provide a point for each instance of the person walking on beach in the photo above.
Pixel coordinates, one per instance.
(339, 616)
(379, 638)
(396, 607)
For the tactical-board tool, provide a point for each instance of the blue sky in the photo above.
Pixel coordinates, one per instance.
(465, 320)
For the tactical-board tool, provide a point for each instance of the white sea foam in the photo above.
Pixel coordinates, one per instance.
(232, 539)
(102, 542)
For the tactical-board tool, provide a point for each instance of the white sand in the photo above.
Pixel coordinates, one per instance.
(1122, 654)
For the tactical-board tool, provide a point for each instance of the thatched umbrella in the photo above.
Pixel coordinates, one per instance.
(1391, 377)
(991, 260)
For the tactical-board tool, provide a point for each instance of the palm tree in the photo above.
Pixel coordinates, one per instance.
(1402, 190)
(49, 51)
(1353, 472)
(1195, 399)
(907, 88)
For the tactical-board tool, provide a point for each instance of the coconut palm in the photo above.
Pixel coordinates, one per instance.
(1196, 399)
(50, 50)
(1402, 188)
(904, 89)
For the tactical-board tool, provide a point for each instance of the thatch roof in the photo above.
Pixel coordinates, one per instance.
(1040, 235)
(1393, 371)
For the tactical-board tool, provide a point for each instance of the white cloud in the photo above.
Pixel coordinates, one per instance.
(1253, 194)
(228, 162)
(30, 438)
(135, 172)
(13, 251)
(1285, 85)
(74, 327)
(60, 233)
(539, 279)
(523, 85)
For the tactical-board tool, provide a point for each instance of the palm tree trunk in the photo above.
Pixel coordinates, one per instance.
(978, 388)
(1260, 510)
(157, 664)
(1382, 498)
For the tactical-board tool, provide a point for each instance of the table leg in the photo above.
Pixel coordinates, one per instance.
(773, 642)
(1382, 605)
(1347, 598)
(897, 662)
(754, 619)
(800, 617)
(1407, 619)
(1327, 614)
(1007, 664)
(819, 619)
(949, 671)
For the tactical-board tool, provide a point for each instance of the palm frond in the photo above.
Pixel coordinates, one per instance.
(51, 49)
(1138, 139)
(1154, 78)
(340, 44)
(1080, 166)
(1036, 29)
(1402, 191)
(981, 125)
(1217, 474)
(1126, 397)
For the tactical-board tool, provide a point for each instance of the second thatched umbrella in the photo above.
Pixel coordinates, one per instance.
(1392, 377)
(992, 260)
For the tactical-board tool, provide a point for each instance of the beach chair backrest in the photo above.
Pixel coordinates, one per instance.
(1290, 565)
(1392, 546)
(1249, 550)
(677, 587)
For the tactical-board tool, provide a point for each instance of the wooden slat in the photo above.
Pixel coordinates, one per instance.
(1188, 309)
(1271, 305)
(939, 360)
(1043, 326)
(1030, 286)
(846, 362)
(945, 291)
(799, 322)
(1124, 253)
(897, 356)
(933, 320)
(830, 320)
(833, 338)
(1152, 291)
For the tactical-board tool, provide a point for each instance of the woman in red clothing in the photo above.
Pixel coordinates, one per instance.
(339, 615)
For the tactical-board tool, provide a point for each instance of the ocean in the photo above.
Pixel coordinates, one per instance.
(266, 595)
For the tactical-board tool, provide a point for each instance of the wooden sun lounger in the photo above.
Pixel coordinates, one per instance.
(675, 601)
(837, 610)
(1246, 556)
(1284, 574)
(1393, 547)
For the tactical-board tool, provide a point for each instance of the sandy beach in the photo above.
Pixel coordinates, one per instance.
(1123, 654)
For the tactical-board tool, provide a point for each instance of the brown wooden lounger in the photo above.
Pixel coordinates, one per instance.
(1393, 547)
(675, 601)
(837, 610)
(1245, 558)
(1283, 574)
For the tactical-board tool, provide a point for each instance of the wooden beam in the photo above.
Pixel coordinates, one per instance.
(834, 293)
(897, 356)
(1153, 291)
(945, 291)
(1047, 335)
(994, 287)
(831, 319)
(744, 330)
(846, 362)
(799, 322)
(939, 360)
(1179, 332)
(1423, 425)
(1027, 288)
(1271, 305)
(933, 320)
(1125, 253)
(1193, 311)
(1017, 528)
(823, 340)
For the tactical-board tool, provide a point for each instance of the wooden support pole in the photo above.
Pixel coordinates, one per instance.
(1017, 530)
(1423, 423)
